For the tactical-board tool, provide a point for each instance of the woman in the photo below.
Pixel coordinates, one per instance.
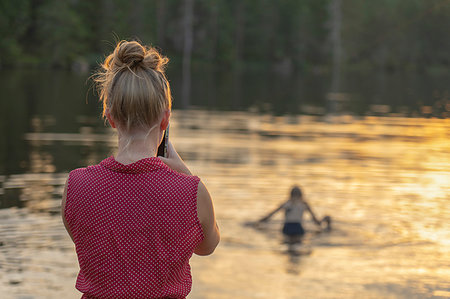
(136, 219)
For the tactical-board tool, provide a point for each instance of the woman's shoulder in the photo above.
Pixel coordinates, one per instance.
(81, 170)
(181, 176)
(82, 173)
(76, 172)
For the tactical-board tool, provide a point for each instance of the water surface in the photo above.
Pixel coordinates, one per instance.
(384, 180)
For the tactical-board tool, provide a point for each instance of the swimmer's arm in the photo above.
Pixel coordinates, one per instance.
(205, 212)
(63, 206)
(272, 213)
(314, 218)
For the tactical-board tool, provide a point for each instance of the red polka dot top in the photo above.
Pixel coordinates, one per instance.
(135, 228)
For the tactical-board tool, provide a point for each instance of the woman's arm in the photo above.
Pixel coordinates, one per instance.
(205, 208)
(205, 212)
(63, 206)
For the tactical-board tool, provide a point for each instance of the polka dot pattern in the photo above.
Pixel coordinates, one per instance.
(135, 228)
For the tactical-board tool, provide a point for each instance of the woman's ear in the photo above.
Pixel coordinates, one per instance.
(165, 120)
(109, 118)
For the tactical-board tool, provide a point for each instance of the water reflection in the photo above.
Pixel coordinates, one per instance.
(385, 182)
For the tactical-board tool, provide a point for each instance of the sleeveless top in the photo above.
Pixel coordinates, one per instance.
(135, 228)
(294, 211)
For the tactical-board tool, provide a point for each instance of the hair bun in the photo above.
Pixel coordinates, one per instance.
(154, 60)
(129, 53)
(132, 54)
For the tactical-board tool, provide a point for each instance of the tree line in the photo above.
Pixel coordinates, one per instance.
(288, 35)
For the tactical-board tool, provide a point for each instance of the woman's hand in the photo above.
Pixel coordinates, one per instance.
(174, 160)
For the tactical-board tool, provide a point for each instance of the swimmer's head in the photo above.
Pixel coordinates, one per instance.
(133, 87)
(296, 192)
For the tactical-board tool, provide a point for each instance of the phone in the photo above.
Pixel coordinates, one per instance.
(162, 148)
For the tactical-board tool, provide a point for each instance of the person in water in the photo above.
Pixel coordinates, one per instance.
(294, 208)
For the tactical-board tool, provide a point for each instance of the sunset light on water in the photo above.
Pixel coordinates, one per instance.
(384, 182)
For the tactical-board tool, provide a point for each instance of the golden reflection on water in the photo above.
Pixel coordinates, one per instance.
(385, 182)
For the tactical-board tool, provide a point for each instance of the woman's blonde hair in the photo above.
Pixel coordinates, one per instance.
(133, 86)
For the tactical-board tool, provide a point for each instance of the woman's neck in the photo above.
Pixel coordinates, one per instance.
(137, 145)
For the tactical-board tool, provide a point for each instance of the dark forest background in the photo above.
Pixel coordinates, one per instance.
(289, 35)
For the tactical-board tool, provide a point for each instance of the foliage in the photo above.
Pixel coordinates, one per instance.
(288, 34)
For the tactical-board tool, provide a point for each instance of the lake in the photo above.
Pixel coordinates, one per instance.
(380, 168)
